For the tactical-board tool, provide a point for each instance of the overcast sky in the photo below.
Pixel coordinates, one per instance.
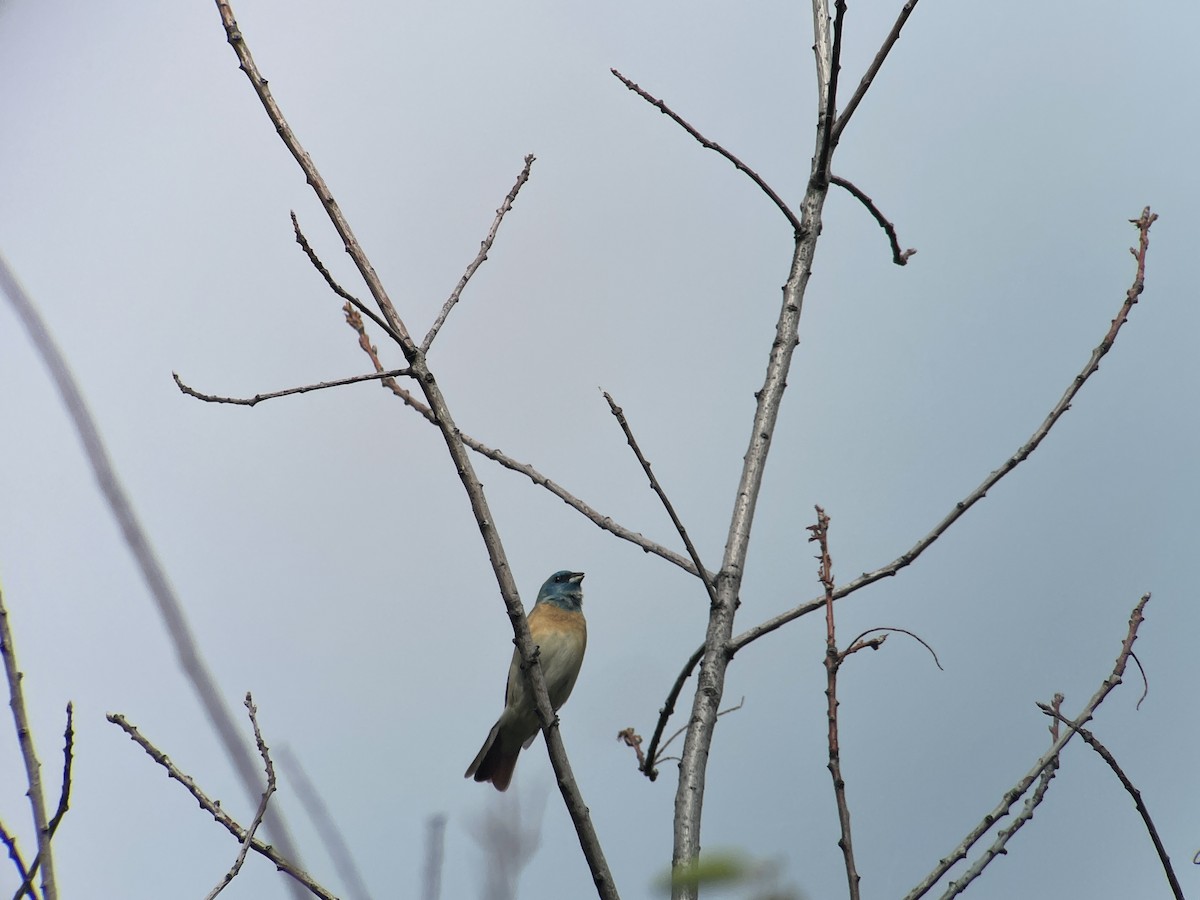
(322, 544)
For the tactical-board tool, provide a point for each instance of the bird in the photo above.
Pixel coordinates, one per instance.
(560, 631)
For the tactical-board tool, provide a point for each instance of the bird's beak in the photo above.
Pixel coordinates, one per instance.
(575, 577)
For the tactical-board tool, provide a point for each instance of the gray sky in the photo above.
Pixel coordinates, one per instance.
(323, 546)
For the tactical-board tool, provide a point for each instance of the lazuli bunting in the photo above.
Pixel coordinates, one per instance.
(560, 631)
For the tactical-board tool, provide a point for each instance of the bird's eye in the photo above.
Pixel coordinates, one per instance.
(558, 579)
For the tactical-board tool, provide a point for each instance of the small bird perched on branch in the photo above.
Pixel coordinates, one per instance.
(560, 631)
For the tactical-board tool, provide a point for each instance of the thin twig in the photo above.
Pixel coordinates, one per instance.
(915, 637)
(899, 257)
(662, 495)
(873, 70)
(303, 389)
(168, 604)
(833, 661)
(829, 114)
(10, 841)
(1145, 681)
(334, 286)
(327, 828)
(482, 255)
(1143, 224)
(595, 517)
(262, 805)
(630, 738)
(668, 710)
(1107, 756)
(33, 768)
(214, 809)
(713, 145)
(1048, 759)
(64, 797)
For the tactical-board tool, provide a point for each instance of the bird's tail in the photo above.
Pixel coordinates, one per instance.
(493, 762)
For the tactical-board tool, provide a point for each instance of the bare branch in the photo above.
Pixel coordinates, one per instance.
(899, 257)
(303, 389)
(915, 637)
(169, 607)
(33, 768)
(334, 286)
(833, 661)
(828, 139)
(704, 575)
(327, 828)
(1046, 761)
(478, 261)
(712, 145)
(262, 806)
(873, 70)
(1129, 787)
(668, 710)
(64, 799)
(214, 809)
(10, 841)
(1023, 452)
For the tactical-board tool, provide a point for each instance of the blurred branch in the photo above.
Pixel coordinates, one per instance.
(712, 145)
(169, 607)
(478, 261)
(1048, 760)
(899, 257)
(435, 851)
(303, 389)
(327, 828)
(262, 806)
(214, 809)
(415, 357)
(1107, 756)
(1132, 295)
(10, 841)
(873, 70)
(704, 574)
(33, 768)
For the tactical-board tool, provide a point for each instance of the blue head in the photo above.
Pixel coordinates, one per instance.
(563, 590)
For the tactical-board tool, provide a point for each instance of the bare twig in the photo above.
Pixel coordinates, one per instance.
(668, 710)
(64, 798)
(287, 392)
(899, 257)
(1145, 681)
(170, 609)
(1023, 452)
(594, 516)
(833, 661)
(917, 638)
(828, 139)
(10, 841)
(262, 805)
(461, 459)
(712, 145)
(214, 809)
(334, 286)
(1107, 756)
(630, 738)
(662, 495)
(659, 758)
(873, 70)
(478, 261)
(1047, 760)
(33, 768)
(327, 828)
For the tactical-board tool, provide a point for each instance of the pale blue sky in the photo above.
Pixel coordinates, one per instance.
(322, 544)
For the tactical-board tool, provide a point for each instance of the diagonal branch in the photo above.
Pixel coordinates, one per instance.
(9, 840)
(1107, 756)
(287, 392)
(478, 261)
(64, 800)
(217, 811)
(899, 257)
(332, 282)
(1046, 761)
(829, 139)
(662, 495)
(1132, 295)
(872, 70)
(713, 145)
